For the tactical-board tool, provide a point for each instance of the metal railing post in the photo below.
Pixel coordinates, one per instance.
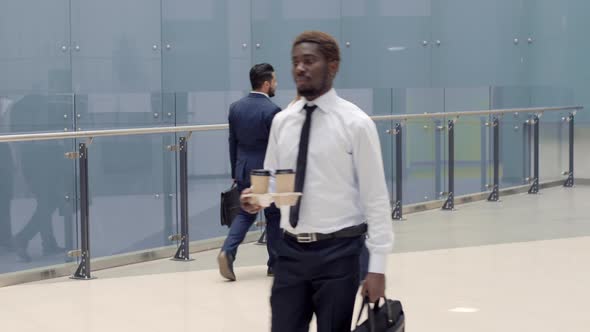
(570, 176)
(398, 210)
(450, 202)
(495, 194)
(534, 189)
(83, 272)
(183, 251)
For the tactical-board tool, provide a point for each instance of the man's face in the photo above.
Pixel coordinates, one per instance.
(273, 86)
(312, 73)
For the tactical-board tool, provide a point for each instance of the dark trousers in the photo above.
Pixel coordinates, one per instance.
(321, 278)
(47, 190)
(40, 223)
(243, 222)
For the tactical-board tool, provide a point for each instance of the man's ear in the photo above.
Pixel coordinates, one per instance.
(333, 67)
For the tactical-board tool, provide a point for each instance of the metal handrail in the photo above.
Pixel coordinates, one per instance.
(196, 128)
(109, 132)
(538, 110)
(83, 271)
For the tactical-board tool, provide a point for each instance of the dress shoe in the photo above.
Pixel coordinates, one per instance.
(270, 272)
(226, 265)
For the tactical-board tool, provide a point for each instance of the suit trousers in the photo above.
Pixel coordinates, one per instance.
(242, 224)
(320, 278)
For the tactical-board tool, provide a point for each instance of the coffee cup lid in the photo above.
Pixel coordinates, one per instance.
(260, 172)
(284, 171)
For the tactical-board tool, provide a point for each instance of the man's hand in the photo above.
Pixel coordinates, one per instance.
(374, 286)
(249, 204)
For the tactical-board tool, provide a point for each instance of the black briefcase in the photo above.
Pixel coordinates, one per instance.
(230, 205)
(386, 318)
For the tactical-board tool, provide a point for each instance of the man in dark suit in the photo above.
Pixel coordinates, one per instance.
(47, 186)
(250, 119)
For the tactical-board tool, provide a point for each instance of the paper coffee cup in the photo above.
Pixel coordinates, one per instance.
(259, 179)
(285, 181)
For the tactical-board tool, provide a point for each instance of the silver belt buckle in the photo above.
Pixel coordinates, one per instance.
(306, 237)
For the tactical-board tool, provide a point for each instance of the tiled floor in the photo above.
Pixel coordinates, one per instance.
(518, 265)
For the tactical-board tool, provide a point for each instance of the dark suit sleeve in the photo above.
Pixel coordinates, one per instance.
(233, 145)
(269, 117)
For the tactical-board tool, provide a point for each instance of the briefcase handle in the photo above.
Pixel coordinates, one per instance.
(371, 312)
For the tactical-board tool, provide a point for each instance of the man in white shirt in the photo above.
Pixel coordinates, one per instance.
(334, 148)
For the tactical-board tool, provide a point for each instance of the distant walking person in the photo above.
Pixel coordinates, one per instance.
(250, 119)
(42, 166)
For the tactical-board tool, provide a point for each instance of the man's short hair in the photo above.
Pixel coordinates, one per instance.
(259, 74)
(328, 46)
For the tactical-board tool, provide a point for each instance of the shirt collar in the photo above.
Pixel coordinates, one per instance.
(260, 93)
(323, 102)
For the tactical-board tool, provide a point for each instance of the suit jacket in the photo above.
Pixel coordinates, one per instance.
(250, 119)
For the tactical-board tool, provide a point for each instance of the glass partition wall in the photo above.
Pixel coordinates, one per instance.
(71, 65)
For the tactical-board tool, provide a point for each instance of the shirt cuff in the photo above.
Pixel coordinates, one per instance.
(377, 263)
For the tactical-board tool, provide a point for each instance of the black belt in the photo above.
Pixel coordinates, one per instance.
(347, 232)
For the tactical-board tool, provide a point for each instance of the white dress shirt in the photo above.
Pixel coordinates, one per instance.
(261, 93)
(344, 180)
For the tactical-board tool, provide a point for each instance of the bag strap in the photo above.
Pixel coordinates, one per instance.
(370, 313)
(363, 306)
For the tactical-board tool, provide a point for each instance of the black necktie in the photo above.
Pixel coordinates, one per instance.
(301, 163)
